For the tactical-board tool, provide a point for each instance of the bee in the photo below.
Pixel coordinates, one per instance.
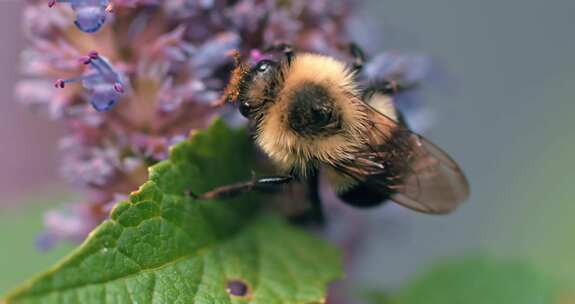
(310, 115)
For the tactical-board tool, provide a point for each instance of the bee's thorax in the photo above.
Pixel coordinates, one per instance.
(316, 118)
(312, 112)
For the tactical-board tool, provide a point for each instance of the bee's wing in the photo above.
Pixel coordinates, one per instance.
(435, 183)
(420, 175)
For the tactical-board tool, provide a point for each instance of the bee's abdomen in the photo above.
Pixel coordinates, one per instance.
(365, 195)
(313, 112)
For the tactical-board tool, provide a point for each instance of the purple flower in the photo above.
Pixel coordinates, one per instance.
(410, 71)
(70, 224)
(213, 53)
(400, 67)
(88, 165)
(73, 222)
(103, 82)
(90, 14)
(40, 95)
(41, 21)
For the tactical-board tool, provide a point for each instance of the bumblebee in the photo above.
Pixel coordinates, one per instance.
(310, 115)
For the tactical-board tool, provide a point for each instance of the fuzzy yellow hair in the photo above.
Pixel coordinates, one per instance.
(291, 150)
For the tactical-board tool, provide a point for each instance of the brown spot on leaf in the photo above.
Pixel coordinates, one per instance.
(237, 288)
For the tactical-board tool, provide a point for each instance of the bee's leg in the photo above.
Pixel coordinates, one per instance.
(358, 57)
(315, 214)
(286, 48)
(389, 88)
(314, 198)
(257, 184)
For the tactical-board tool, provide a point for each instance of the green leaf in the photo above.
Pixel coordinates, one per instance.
(481, 281)
(162, 247)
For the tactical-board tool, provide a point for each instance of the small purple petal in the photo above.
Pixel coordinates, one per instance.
(85, 59)
(118, 87)
(212, 53)
(104, 97)
(151, 146)
(103, 82)
(86, 165)
(45, 241)
(70, 224)
(59, 83)
(93, 55)
(90, 15)
(391, 65)
(90, 19)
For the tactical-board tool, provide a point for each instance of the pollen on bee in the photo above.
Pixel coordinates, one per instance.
(232, 90)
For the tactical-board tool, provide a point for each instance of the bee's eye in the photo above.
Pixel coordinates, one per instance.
(245, 109)
(263, 67)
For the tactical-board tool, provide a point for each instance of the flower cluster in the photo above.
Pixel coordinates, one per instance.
(135, 76)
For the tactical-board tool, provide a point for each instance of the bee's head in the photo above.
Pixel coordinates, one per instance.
(252, 86)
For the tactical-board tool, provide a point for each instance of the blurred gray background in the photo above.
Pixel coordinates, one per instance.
(507, 118)
(28, 159)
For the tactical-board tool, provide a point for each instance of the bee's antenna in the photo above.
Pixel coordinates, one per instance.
(285, 48)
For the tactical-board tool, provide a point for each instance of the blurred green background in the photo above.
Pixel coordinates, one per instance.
(505, 114)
